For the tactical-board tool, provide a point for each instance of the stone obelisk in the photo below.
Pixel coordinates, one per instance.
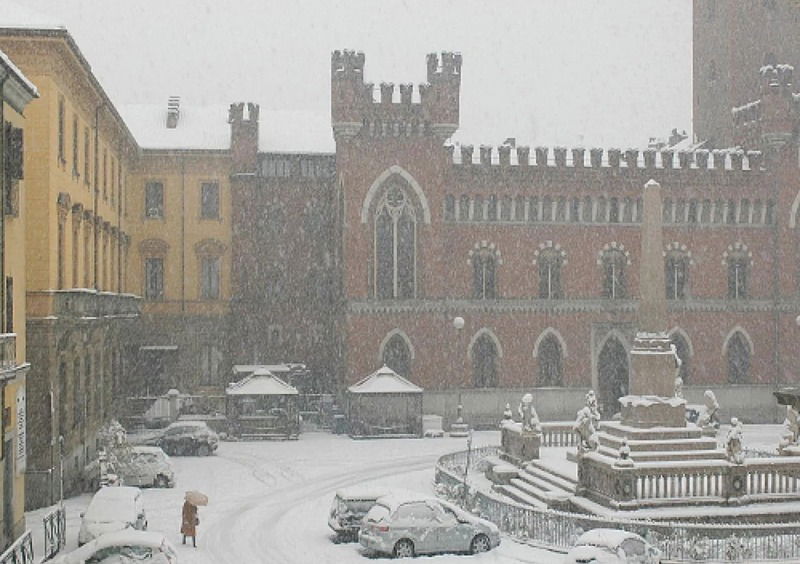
(651, 401)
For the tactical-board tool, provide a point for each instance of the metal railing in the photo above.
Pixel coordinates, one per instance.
(558, 530)
(21, 552)
(55, 531)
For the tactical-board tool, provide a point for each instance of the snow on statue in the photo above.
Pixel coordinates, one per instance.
(530, 421)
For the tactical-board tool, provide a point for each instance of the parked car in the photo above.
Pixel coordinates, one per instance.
(148, 466)
(186, 438)
(418, 525)
(348, 508)
(112, 509)
(123, 547)
(612, 546)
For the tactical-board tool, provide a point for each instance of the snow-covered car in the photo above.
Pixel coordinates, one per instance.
(349, 507)
(612, 546)
(123, 547)
(186, 438)
(112, 509)
(418, 525)
(148, 466)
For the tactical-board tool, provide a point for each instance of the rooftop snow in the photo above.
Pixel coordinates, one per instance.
(206, 127)
(384, 381)
(9, 64)
(262, 383)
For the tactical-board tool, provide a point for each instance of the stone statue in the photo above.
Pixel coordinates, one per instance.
(585, 429)
(508, 415)
(624, 455)
(709, 419)
(591, 403)
(679, 387)
(733, 442)
(530, 421)
(791, 430)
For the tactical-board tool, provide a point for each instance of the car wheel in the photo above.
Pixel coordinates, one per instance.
(161, 482)
(168, 450)
(403, 548)
(202, 450)
(480, 544)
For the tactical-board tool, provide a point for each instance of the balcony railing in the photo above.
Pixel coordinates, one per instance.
(82, 303)
(8, 351)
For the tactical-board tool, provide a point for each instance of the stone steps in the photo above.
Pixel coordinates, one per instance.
(617, 429)
(664, 455)
(637, 445)
(520, 496)
(566, 483)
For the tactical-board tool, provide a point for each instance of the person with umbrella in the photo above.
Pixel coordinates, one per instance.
(190, 520)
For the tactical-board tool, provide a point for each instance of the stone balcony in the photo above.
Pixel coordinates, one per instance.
(8, 357)
(82, 303)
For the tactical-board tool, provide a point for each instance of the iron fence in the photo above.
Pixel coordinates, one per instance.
(21, 552)
(55, 531)
(558, 530)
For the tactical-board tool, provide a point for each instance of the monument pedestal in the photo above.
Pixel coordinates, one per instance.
(519, 445)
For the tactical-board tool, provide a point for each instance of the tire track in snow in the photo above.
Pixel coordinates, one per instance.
(253, 529)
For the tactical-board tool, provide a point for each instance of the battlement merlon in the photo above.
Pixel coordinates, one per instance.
(354, 108)
(631, 160)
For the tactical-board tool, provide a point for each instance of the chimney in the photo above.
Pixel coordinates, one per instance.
(173, 111)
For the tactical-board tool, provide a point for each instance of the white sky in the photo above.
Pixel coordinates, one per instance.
(572, 72)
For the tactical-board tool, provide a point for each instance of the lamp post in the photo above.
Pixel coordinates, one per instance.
(459, 428)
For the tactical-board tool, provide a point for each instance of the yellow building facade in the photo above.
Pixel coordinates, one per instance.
(78, 154)
(16, 91)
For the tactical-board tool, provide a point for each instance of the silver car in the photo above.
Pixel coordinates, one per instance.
(420, 525)
(612, 546)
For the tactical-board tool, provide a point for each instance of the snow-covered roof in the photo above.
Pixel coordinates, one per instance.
(17, 89)
(384, 381)
(206, 127)
(261, 383)
(18, 17)
(274, 368)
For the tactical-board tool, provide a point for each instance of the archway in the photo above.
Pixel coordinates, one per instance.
(550, 363)
(484, 362)
(738, 352)
(397, 356)
(612, 370)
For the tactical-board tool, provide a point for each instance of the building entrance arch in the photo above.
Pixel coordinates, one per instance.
(613, 376)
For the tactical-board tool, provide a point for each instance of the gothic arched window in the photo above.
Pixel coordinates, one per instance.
(738, 260)
(395, 246)
(549, 260)
(676, 274)
(397, 356)
(484, 362)
(613, 262)
(550, 362)
(484, 261)
(738, 354)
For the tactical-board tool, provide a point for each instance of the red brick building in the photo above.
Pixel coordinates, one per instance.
(538, 251)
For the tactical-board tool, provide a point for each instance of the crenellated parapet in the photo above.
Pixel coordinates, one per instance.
(771, 120)
(579, 159)
(243, 119)
(358, 108)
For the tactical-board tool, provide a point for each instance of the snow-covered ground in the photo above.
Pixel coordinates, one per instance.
(270, 500)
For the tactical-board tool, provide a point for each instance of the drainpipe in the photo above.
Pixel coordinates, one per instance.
(3, 297)
(183, 234)
(96, 190)
(119, 218)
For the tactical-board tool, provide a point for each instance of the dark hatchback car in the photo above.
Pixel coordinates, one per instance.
(186, 438)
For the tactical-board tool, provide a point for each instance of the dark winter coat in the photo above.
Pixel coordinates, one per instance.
(190, 520)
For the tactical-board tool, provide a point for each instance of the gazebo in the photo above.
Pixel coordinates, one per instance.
(263, 406)
(384, 404)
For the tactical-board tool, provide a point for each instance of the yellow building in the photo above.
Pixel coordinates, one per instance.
(78, 155)
(16, 91)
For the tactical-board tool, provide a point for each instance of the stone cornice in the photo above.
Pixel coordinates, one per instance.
(566, 306)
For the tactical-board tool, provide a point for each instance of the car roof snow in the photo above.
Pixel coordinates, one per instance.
(611, 538)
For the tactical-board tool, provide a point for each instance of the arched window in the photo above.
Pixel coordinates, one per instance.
(738, 260)
(586, 213)
(395, 245)
(397, 356)
(491, 208)
(449, 208)
(676, 273)
(613, 210)
(463, 208)
(484, 261)
(613, 262)
(666, 211)
(613, 376)
(519, 208)
(738, 353)
(533, 212)
(551, 365)
(547, 209)
(682, 350)
(484, 362)
(505, 208)
(549, 260)
(478, 208)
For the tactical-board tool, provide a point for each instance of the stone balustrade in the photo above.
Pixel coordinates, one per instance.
(558, 434)
(82, 302)
(712, 481)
